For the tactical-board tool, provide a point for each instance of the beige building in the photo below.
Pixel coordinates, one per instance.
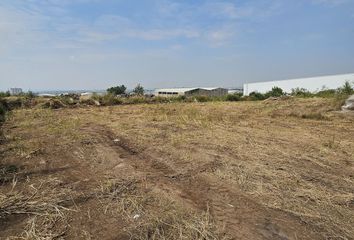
(175, 92)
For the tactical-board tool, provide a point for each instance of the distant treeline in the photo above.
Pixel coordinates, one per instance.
(117, 96)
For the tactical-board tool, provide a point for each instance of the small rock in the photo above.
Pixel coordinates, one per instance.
(116, 140)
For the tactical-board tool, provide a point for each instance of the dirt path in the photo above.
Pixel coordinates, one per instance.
(238, 215)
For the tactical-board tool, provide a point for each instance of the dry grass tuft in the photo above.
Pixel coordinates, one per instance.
(152, 214)
(40, 200)
(45, 202)
(175, 223)
(44, 228)
(7, 173)
(122, 195)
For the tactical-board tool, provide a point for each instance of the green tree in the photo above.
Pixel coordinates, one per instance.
(118, 90)
(139, 90)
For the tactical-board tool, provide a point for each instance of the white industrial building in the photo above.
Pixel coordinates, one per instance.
(313, 84)
(175, 92)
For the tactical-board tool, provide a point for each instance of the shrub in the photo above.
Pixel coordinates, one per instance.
(14, 102)
(233, 97)
(326, 93)
(110, 100)
(159, 99)
(301, 92)
(5, 94)
(254, 96)
(202, 98)
(218, 98)
(137, 100)
(118, 90)
(346, 89)
(275, 92)
(183, 99)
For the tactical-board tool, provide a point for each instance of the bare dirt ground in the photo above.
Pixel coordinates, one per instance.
(247, 170)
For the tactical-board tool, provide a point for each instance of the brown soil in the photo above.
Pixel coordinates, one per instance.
(271, 170)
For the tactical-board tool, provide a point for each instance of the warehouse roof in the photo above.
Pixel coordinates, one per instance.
(183, 89)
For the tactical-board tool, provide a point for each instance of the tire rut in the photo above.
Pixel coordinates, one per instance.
(237, 216)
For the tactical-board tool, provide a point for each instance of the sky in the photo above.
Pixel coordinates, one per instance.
(95, 44)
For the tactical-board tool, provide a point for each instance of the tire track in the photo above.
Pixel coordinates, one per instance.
(236, 215)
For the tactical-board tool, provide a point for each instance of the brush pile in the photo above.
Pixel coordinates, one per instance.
(349, 104)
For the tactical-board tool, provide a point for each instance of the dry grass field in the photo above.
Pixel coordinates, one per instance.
(280, 169)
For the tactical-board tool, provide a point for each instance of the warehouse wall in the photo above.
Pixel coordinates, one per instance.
(218, 92)
(312, 84)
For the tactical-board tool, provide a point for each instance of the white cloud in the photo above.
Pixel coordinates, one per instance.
(227, 10)
(160, 34)
(220, 37)
(20, 28)
(112, 22)
(92, 36)
(168, 8)
(48, 21)
(330, 2)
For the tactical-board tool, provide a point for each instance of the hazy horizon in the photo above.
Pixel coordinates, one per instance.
(92, 44)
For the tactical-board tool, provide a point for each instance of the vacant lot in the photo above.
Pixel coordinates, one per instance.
(248, 170)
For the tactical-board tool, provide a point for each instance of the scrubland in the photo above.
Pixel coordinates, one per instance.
(273, 169)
